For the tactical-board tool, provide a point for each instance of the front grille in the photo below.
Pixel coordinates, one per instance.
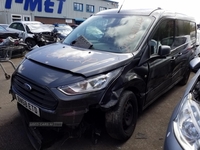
(46, 33)
(37, 95)
(48, 36)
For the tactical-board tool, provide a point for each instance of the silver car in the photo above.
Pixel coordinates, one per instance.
(28, 29)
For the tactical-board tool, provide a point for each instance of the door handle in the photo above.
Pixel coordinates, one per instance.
(174, 57)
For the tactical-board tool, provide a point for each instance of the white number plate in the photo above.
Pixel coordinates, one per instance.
(28, 105)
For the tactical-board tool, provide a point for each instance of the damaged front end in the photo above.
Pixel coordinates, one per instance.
(45, 38)
(43, 134)
(41, 34)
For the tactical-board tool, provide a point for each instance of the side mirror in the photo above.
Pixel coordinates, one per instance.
(195, 64)
(164, 50)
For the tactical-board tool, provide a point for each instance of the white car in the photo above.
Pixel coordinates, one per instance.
(29, 29)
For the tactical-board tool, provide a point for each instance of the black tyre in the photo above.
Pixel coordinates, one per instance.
(121, 121)
(185, 77)
(30, 43)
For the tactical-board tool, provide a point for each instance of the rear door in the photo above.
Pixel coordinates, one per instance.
(183, 48)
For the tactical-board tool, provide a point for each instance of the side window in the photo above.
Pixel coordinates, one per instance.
(193, 32)
(20, 27)
(185, 33)
(13, 26)
(164, 35)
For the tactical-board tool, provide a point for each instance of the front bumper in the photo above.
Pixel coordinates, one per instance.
(69, 112)
(171, 142)
(33, 133)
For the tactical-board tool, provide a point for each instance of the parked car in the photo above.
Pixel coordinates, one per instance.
(33, 32)
(116, 63)
(183, 131)
(11, 45)
(4, 34)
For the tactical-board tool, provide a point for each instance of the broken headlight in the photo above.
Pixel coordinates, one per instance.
(90, 85)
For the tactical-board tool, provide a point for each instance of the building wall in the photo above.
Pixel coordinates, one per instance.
(49, 10)
(50, 20)
(3, 17)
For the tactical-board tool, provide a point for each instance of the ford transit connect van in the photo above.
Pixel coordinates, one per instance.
(117, 62)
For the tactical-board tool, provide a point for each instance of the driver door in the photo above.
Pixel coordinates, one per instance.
(160, 69)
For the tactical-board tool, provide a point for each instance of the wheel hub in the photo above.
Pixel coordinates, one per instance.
(128, 115)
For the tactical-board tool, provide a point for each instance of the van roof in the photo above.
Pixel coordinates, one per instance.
(158, 13)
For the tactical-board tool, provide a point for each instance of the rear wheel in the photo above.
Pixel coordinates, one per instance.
(121, 121)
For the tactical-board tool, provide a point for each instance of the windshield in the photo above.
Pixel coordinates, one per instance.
(112, 33)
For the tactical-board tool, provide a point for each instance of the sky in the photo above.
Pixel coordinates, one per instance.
(190, 7)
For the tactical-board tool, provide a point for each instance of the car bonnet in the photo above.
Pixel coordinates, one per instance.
(78, 60)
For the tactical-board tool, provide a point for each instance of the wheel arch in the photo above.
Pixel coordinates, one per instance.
(139, 96)
(112, 99)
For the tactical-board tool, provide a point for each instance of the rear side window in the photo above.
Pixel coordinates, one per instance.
(174, 33)
(185, 32)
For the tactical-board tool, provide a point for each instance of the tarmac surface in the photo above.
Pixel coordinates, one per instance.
(149, 133)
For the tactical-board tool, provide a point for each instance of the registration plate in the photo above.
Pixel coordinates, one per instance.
(28, 105)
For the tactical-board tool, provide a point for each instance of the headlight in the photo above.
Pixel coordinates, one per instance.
(187, 124)
(92, 84)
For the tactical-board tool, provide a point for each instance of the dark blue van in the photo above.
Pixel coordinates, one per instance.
(117, 62)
